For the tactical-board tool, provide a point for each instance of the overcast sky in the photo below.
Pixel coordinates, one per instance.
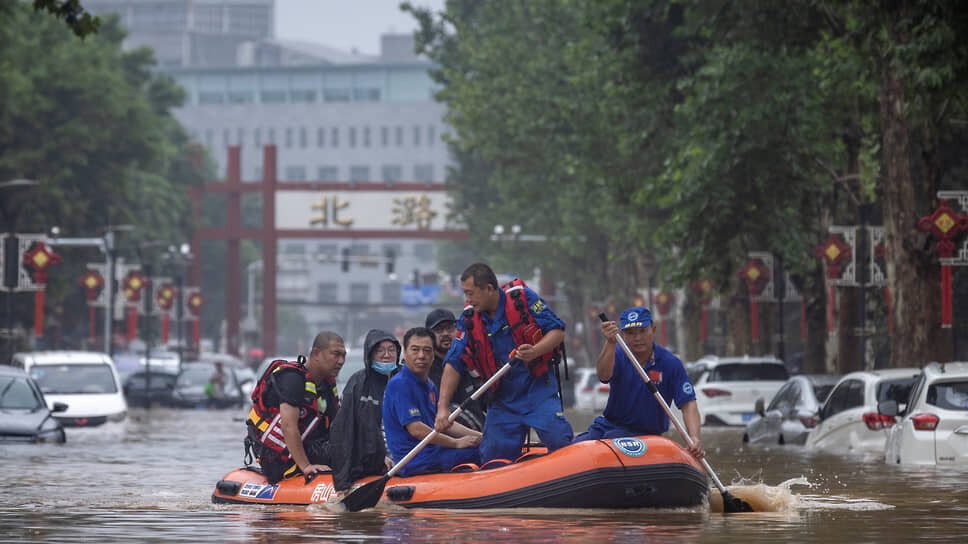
(345, 24)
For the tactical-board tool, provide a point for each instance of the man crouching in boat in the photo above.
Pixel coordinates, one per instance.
(409, 410)
(632, 409)
(293, 406)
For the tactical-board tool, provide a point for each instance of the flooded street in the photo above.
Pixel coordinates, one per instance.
(150, 479)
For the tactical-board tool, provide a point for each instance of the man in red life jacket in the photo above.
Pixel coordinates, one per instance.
(498, 320)
(293, 407)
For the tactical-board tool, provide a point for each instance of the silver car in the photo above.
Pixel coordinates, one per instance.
(792, 413)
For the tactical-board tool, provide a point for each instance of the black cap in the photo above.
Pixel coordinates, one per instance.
(439, 316)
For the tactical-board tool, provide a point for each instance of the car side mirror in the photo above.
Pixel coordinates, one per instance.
(758, 407)
(887, 408)
(59, 407)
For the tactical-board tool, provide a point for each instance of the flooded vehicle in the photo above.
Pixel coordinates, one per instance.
(792, 413)
(24, 416)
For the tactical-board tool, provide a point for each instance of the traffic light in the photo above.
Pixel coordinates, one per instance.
(346, 259)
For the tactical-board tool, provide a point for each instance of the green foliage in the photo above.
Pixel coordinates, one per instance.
(77, 19)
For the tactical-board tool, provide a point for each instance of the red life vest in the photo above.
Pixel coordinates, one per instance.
(478, 356)
(265, 425)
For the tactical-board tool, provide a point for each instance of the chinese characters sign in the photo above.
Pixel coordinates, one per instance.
(363, 210)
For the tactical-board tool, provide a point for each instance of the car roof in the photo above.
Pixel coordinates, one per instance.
(6, 370)
(819, 379)
(713, 361)
(65, 356)
(955, 369)
(226, 359)
(882, 374)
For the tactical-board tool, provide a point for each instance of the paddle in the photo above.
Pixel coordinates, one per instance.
(367, 495)
(730, 502)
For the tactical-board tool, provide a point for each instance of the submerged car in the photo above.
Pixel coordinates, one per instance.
(792, 413)
(86, 381)
(590, 393)
(727, 387)
(193, 390)
(24, 416)
(849, 420)
(933, 427)
(142, 390)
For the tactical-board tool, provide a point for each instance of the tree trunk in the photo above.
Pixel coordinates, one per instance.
(913, 277)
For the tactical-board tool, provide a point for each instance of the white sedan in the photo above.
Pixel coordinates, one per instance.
(933, 428)
(727, 387)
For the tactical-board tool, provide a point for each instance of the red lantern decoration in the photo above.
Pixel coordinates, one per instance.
(195, 303)
(92, 282)
(705, 290)
(945, 225)
(833, 252)
(663, 303)
(132, 285)
(166, 300)
(40, 259)
(754, 273)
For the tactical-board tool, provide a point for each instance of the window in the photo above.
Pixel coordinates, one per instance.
(390, 292)
(302, 95)
(303, 138)
(327, 253)
(288, 137)
(423, 173)
(209, 138)
(257, 137)
(949, 395)
(320, 137)
(384, 136)
(392, 173)
(416, 136)
(359, 293)
(366, 95)
(359, 173)
(431, 135)
(296, 173)
(294, 248)
(399, 135)
(336, 95)
(272, 97)
(327, 292)
(334, 137)
(746, 372)
(328, 173)
(226, 137)
(241, 97)
(272, 135)
(352, 136)
(896, 390)
(211, 97)
(366, 136)
(240, 136)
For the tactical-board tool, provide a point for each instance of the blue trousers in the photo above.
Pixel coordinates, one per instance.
(505, 430)
(602, 428)
(439, 459)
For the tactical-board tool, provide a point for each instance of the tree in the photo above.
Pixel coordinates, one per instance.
(77, 19)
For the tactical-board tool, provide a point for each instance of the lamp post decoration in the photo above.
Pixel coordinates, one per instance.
(166, 301)
(754, 274)
(833, 252)
(92, 283)
(132, 285)
(663, 303)
(195, 303)
(39, 259)
(704, 288)
(945, 224)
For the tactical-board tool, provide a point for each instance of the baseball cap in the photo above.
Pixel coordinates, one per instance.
(438, 316)
(637, 316)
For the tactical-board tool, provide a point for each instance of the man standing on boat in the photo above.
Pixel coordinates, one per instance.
(293, 405)
(496, 321)
(443, 324)
(632, 410)
(409, 408)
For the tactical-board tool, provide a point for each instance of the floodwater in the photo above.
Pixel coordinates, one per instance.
(150, 479)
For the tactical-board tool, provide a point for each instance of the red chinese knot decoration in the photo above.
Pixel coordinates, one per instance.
(133, 284)
(833, 252)
(945, 225)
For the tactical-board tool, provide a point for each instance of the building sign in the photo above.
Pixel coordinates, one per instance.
(363, 210)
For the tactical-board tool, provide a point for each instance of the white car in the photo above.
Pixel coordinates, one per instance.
(727, 387)
(792, 413)
(86, 381)
(849, 420)
(591, 395)
(933, 428)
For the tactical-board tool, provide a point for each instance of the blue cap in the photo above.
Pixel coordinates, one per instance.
(639, 316)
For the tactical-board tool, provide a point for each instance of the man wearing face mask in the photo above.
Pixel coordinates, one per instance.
(444, 326)
(357, 443)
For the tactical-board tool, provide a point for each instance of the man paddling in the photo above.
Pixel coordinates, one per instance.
(632, 409)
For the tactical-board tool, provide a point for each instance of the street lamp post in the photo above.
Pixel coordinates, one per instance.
(9, 276)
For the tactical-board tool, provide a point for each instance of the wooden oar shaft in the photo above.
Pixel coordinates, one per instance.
(668, 411)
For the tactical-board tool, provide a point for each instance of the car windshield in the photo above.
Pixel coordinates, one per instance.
(196, 376)
(16, 394)
(949, 395)
(822, 391)
(748, 372)
(75, 379)
(158, 381)
(896, 390)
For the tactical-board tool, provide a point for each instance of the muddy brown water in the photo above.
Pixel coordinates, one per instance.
(150, 478)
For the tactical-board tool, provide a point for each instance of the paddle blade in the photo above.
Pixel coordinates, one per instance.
(732, 503)
(365, 496)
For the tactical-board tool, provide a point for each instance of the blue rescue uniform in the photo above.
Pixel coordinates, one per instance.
(632, 409)
(522, 400)
(406, 399)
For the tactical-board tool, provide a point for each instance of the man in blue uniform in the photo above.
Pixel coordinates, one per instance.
(632, 409)
(500, 320)
(409, 408)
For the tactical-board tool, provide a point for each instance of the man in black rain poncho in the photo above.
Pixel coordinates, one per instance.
(357, 444)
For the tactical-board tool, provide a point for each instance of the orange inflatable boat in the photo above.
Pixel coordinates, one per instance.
(635, 472)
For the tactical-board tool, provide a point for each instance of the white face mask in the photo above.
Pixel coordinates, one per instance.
(384, 368)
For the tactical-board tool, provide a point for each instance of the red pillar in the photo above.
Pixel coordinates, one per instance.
(269, 247)
(39, 313)
(233, 261)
